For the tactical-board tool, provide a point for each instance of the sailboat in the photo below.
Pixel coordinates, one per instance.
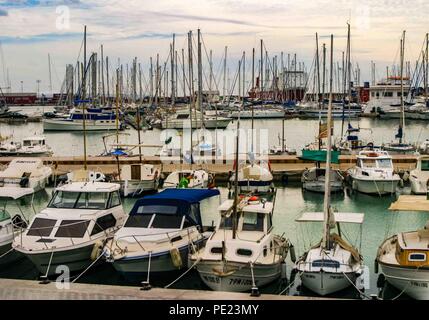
(281, 148)
(243, 253)
(333, 264)
(314, 179)
(401, 146)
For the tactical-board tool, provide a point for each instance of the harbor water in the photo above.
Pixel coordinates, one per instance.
(291, 202)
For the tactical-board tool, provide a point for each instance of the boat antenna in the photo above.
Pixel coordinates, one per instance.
(327, 199)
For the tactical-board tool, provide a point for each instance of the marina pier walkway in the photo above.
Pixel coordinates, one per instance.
(33, 290)
(281, 165)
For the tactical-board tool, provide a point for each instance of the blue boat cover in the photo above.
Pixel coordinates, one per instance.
(186, 200)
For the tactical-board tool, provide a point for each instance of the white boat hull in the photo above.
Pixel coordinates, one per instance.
(131, 188)
(319, 186)
(418, 186)
(324, 283)
(413, 282)
(241, 279)
(379, 187)
(76, 125)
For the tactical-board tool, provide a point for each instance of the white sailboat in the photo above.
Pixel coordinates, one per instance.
(333, 264)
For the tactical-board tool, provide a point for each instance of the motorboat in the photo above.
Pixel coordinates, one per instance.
(136, 179)
(24, 176)
(419, 177)
(373, 173)
(96, 119)
(34, 146)
(73, 228)
(159, 233)
(403, 258)
(192, 179)
(254, 175)
(313, 179)
(242, 255)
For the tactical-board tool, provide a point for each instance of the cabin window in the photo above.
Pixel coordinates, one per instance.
(63, 199)
(384, 163)
(115, 199)
(388, 94)
(368, 163)
(187, 223)
(417, 257)
(104, 223)
(244, 252)
(150, 209)
(326, 264)
(27, 143)
(4, 215)
(138, 221)
(41, 227)
(425, 165)
(167, 222)
(226, 223)
(378, 94)
(93, 200)
(253, 221)
(216, 250)
(372, 94)
(182, 116)
(72, 229)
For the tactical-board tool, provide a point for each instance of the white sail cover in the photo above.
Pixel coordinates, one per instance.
(345, 217)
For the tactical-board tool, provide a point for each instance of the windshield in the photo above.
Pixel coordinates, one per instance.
(253, 221)
(4, 215)
(79, 200)
(368, 163)
(384, 163)
(425, 165)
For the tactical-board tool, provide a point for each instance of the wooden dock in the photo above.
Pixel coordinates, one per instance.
(33, 290)
(282, 165)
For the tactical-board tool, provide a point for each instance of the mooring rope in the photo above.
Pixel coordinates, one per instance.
(183, 274)
(4, 254)
(90, 266)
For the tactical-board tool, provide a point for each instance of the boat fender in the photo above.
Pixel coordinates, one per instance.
(176, 258)
(96, 250)
(292, 253)
(380, 281)
(375, 266)
(401, 183)
(284, 270)
(354, 185)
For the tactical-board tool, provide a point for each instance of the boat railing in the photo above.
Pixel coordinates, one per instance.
(21, 231)
(138, 237)
(310, 264)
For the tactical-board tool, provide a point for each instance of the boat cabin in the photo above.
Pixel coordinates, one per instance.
(174, 209)
(76, 213)
(412, 248)
(374, 160)
(34, 141)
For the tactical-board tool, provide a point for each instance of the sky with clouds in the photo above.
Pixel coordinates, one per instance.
(32, 29)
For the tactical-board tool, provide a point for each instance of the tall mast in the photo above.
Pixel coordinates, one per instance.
(327, 199)
(173, 92)
(200, 80)
(183, 74)
(262, 68)
(402, 87)
(102, 75)
(253, 90)
(426, 68)
(151, 82)
(224, 73)
(317, 69)
(83, 98)
(234, 213)
(324, 75)
(107, 79)
(191, 93)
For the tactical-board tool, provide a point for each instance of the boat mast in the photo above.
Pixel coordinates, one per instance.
(349, 71)
(191, 95)
(253, 89)
(234, 212)
(327, 199)
(200, 81)
(262, 69)
(117, 122)
(83, 98)
(102, 75)
(50, 74)
(107, 80)
(426, 69)
(402, 88)
(173, 92)
(224, 74)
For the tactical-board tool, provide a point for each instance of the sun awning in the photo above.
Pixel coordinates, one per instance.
(345, 217)
(15, 193)
(410, 203)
